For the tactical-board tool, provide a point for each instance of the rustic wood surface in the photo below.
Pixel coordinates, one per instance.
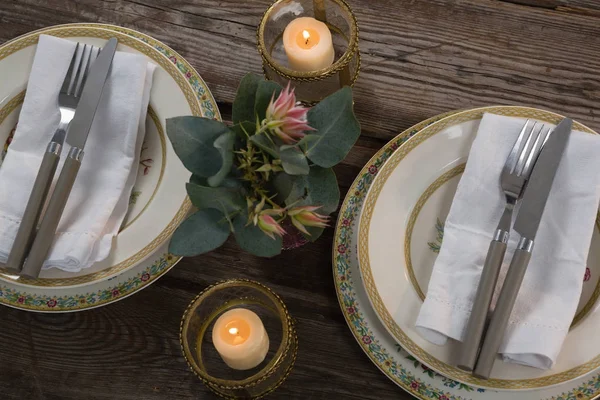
(420, 58)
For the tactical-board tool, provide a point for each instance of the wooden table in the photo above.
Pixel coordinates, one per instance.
(420, 58)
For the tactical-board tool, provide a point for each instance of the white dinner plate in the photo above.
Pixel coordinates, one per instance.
(158, 202)
(401, 229)
(373, 337)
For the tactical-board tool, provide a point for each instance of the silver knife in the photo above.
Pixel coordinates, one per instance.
(77, 135)
(526, 224)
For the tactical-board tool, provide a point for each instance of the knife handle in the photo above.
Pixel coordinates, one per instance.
(481, 304)
(34, 207)
(504, 306)
(45, 235)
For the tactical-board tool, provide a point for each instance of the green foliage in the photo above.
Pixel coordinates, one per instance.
(294, 161)
(224, 145)
(337, 129)
(253, 240)
(317, 188)
(202, 232)
(235, 170)
(226, 200)
(193, 139)
(243, 105)
(265, 92)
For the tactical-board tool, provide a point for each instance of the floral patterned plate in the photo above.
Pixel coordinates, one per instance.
(373, 337)
(402, 207)
(158, 202)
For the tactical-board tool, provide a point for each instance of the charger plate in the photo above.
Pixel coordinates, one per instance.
(372, 335)
(158, 202)
(402, 222)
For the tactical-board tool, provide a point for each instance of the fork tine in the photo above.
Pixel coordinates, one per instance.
(94, 51)
(85, 59)
(535, 151)
(511, 160)
(69, 75)
(525, 151)
(76, 62)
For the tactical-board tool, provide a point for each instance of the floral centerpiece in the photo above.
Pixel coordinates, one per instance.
(270, 170)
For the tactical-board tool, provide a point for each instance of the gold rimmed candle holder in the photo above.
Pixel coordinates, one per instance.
(311, 87)
(204, 360)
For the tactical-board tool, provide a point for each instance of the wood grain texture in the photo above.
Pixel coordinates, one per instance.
(420, 58)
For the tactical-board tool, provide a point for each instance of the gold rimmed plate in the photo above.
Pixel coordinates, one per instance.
(401, 231)
(158, 202)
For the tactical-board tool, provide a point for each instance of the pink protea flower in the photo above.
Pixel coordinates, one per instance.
(285, 118)
(306, 216)
(269, 226)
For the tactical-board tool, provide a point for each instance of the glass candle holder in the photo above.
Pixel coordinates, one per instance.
(313, 86)
(204, 360)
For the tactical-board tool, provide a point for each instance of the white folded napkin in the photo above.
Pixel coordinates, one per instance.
(99, 199)
(552, 285)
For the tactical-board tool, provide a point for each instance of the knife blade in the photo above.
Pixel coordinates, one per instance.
(527, 223)
(540, 183)
(90, 97)
(77, 135)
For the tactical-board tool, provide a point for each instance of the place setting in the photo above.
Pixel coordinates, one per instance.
(466, 253)
(127, 244)
(389, 256)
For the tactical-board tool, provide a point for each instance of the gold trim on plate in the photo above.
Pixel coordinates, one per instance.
(413, 219)
(122, 34)
(10, 106)
(163, 146)
(439, 182)
(365, 267)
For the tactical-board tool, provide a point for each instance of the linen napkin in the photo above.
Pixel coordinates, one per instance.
(550, 292)
(98, 202)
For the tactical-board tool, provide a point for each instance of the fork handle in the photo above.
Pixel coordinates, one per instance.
(503, 309)
(34, 207)
(45, 235)
(481, 304)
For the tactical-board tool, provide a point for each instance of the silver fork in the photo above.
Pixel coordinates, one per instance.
(68, 99)
(517, 170)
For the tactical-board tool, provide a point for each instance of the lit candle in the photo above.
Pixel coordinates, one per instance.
(240, 338)
(308, 44)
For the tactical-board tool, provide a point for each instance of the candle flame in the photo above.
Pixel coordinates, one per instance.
(233, 331)
(306, 35)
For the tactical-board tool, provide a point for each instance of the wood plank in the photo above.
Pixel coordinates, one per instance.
(420, 58)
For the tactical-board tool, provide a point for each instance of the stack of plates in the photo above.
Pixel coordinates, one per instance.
(389, 232)
(158, 202)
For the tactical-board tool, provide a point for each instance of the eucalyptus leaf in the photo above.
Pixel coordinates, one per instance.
(244, 129)
(282, 185)
(318, 188)
(265, 92)
(337, 129)
(224, 144)
(288, 146)
(265, 144)
(306, 141)
(202, 232)
(315, 233)
(226, 200)
(245, 99)
(193, 140)
(294, 162)
(251, 239)
(198, 180)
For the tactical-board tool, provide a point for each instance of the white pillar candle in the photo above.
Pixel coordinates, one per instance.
(240, 338)
(308, 45)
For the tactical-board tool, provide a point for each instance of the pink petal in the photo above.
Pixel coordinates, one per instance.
(299, 226)
(297, 112)
(284, 136)
(271, 108)
(309, 208)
